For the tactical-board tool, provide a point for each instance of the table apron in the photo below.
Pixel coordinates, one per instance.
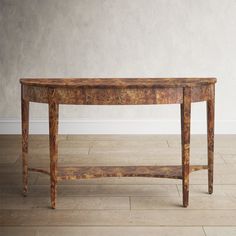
(115, 96)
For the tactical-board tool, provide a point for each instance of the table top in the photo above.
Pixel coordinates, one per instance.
(117, 82)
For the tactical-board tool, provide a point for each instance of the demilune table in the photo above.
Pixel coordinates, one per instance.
(122, 91)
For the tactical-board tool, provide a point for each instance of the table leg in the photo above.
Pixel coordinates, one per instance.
(185, 138)
(210, 137)
(53, 141)
(25, 135)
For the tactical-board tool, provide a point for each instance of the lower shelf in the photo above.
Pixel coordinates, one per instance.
(89, 172)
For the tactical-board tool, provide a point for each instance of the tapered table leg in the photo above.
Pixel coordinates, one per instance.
(53, 141)
(210, 137)
(25, 136)
(185, 138)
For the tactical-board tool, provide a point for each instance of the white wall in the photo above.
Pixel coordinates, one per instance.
(117, 38)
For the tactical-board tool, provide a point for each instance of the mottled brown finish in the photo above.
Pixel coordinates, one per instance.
(25, 135)
(185, 133)
(119, 82)
(90, 172)
(53, 141)
(210, 136)
(124, 91)
(115, 96)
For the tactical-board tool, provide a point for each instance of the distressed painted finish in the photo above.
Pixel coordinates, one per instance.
(127, 91)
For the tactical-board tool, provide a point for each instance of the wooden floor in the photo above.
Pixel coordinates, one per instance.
(118, 206)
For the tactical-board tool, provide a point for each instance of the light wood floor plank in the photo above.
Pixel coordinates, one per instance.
(43, 217)
(94, 190)
(117, 231)
(206, 202)
(220, 231)
(219, 190)
(72, 203)
(98, 231)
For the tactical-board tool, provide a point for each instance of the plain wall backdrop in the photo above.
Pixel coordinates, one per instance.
(117, 38)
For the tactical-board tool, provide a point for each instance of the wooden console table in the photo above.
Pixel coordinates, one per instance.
(125, 91)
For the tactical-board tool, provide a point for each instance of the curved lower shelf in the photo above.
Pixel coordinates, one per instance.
(90, 172)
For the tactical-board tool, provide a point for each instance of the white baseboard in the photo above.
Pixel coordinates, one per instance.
(116, 127)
